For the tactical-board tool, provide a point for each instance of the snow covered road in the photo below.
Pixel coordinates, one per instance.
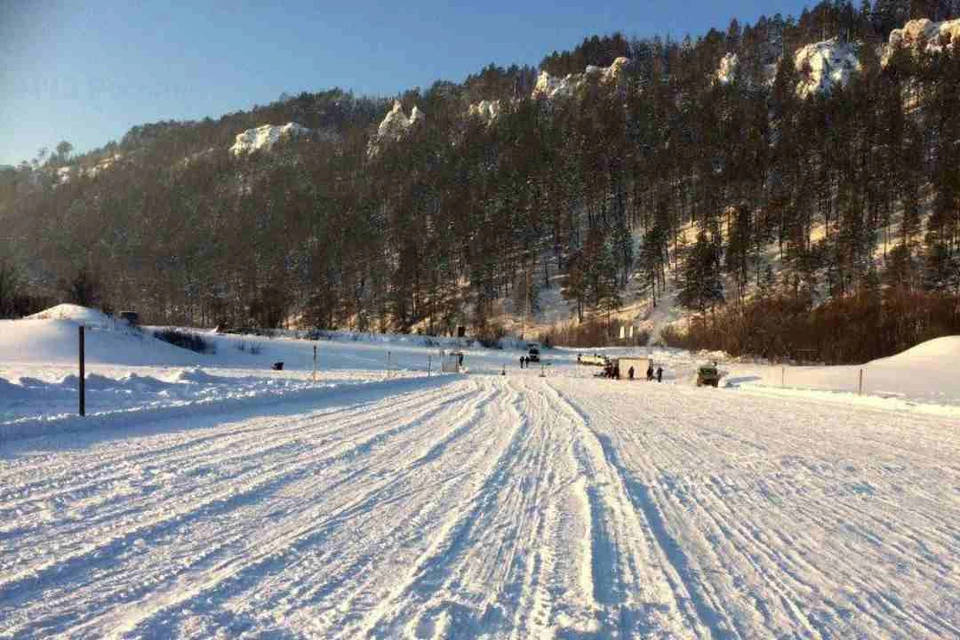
(512, 506)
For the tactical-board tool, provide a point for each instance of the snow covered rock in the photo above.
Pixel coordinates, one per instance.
(65, 174)
(486, 110)
(103, 165)
(395, 126)
(396, 123)
(825, 64)
(727, 71)
(923, 36)
(550, 87)
(264, 137)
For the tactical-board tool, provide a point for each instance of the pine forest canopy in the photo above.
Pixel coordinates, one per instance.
(622, 167)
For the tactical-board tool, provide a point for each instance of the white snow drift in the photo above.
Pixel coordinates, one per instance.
(265, 136)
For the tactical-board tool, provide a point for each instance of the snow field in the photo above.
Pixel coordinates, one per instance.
(492, 506)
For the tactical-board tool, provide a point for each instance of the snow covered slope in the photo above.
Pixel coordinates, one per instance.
(825, 64)
(489, 506)
(927, 373)
(264, 137)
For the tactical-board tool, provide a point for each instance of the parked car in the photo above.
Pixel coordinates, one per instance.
(595, 360)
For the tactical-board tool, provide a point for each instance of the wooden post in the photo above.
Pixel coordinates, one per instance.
(388, 364)
(783, 374)
(314, 363)
(83, 389)
(860, 384)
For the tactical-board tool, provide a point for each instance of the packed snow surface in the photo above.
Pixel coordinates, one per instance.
(825, 64)
(264, 137)
(206, 495)
(494, 506)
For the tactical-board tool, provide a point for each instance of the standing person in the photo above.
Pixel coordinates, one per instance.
(650, 372)
(521, 362)
(630, 372)
(659, 374)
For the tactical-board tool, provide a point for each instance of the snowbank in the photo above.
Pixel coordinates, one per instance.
(825, 64)
(55, 341)
(941, 354)
(264, 137)
(925, 373)
(75, 313)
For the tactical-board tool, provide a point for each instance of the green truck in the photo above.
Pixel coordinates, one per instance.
(708, 375)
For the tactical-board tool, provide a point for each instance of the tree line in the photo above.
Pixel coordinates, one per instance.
(731, 194)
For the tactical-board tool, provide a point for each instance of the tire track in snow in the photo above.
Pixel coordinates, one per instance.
(278, 551)
(702, 615)
(202, 443)
(396, 488)
(827, 582)
(224, 497)
(413, 600)
(264, 480)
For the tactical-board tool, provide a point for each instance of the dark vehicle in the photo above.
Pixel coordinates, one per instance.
(708, 375)
(533, 354)
(132, 317)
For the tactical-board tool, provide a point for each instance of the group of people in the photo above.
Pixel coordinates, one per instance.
(650, 373)
(524, 362)
(612, 370)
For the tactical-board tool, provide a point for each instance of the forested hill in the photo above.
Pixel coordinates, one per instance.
(794, 184)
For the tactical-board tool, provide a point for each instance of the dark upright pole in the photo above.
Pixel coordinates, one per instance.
(83, 399)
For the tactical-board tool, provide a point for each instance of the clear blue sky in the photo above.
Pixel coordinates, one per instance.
(88, 70)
